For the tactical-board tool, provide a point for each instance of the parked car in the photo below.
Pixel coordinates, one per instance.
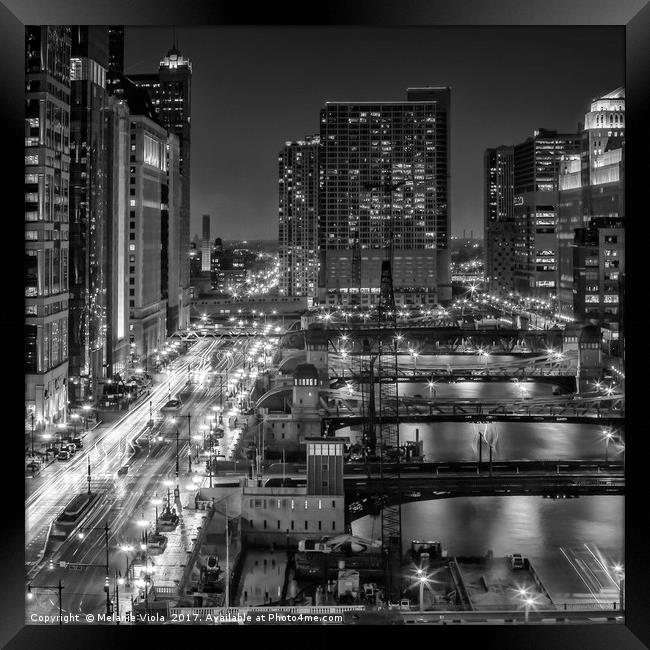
(32, 467)
(78, 443)
(123, 471)
(63, 455)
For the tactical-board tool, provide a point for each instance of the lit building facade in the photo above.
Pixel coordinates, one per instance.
(87, 324)
(171, 259)
(47, 166)
(206, 244)
(385, 185)
(148, 219)
(536, 171)
(170, 90)
(591, 218)
(298, 217)
(498, 201)
(216, 263)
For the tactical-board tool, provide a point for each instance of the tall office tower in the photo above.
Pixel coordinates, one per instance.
(170, 91)
(216, 263)
(88, 211)
(47, 161)
(591, 225)
(537, 166)
(148, 201)
(384, 185)
(117, 182)
(206, 244)
(298, 216)
(499, 238)
(171, 287)
(442, 178)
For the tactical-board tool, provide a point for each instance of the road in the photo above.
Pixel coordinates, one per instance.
(126, 501)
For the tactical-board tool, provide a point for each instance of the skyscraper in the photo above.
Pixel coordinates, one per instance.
(88, 210)
(384, 193)
(170, 91)
(536, 170)
(47, 163)
(116, 48)
(499, 238)
(149, 202)
(298, 217)
(206, 244)
(117, 281)
(591, 224)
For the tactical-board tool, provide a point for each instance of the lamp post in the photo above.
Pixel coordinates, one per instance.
(59, 589)
(126, 548)
(88, 473)
(620, 574)
(177, 468)
(528, 603)
(156, 502)
(86, 408)
(106, 530)
(422, 580)
(608, 437)
(415, 362)
(32, 418)
(118, 581)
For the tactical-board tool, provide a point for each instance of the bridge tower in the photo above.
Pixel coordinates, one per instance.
(389, 438)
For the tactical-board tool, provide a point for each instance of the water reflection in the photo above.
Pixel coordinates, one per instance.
(533, 526)
(263, 574)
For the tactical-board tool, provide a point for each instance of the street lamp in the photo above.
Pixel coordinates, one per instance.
(106, 530)
(422, 579)
(32, 418)
(86, 408)
(608, 436)
(619, 570)
(528, 603)
(59, 588)
(415, 361)
(74, 417)
(126, 548)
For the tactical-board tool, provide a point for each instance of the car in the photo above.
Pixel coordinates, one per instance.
(32, 467)
(71, 448)
(63, 455)
(172, 405)
(123, 471)
(78, 443)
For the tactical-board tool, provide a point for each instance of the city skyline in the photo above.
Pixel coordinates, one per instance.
(231, 82)
(369, 385)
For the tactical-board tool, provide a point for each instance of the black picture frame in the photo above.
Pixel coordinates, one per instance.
(631, 15)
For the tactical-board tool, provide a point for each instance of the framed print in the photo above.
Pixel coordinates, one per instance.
(325, 320)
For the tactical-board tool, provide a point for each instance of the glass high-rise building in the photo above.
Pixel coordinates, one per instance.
(47, 173)
(384, 192)
(591, 225)
(298, 217)
(536, 170)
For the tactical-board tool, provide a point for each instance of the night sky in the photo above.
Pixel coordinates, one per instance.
(255, 88)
